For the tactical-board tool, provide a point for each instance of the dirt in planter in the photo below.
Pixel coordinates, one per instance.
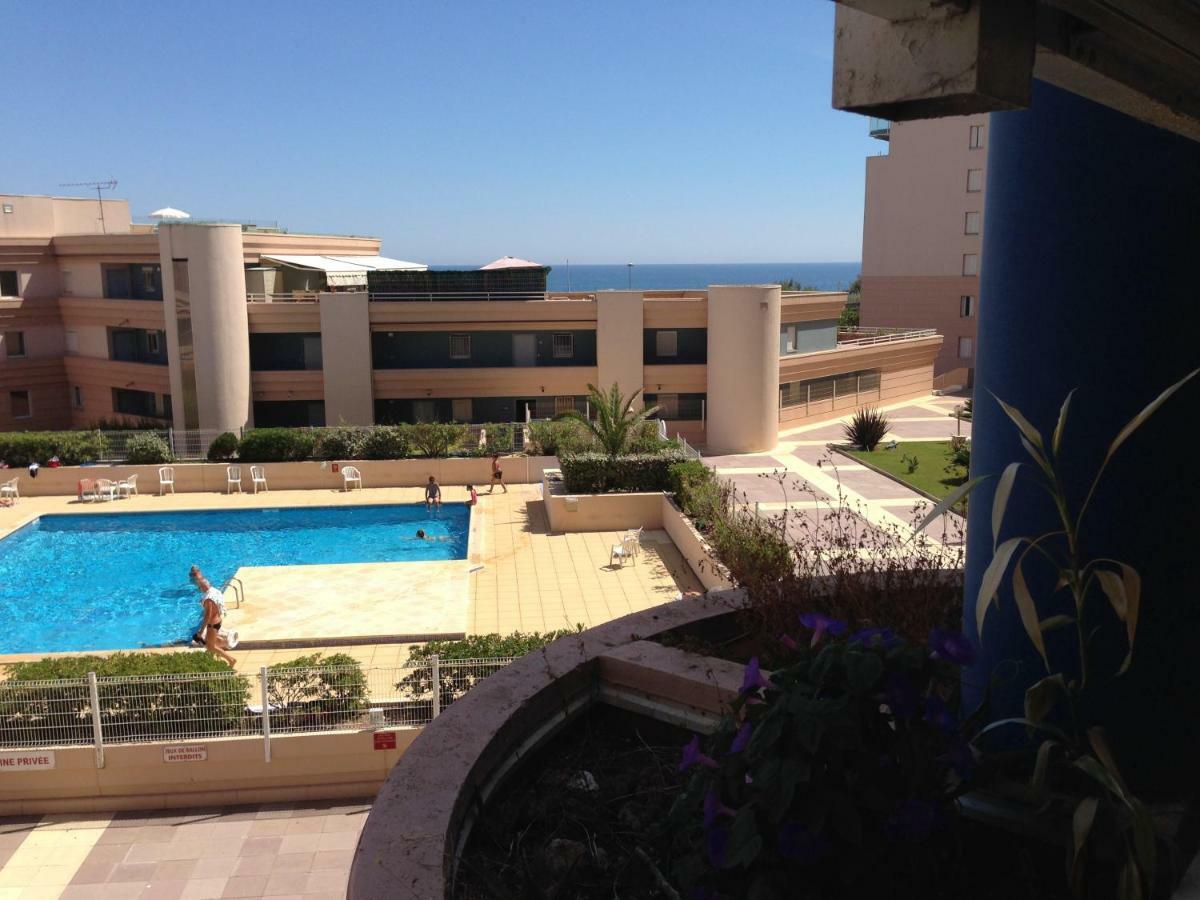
(571, 823)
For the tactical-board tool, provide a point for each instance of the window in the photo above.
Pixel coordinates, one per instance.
(564, 345)
(970, 263)
(8, 208)
(19, 404)
(168, 409)
(976, 139)
(971, 225)
(77, 396)
(64, 280)
(563, 404)
(152, 342)
(8, 284)
(966, 347)
(668, 406)
(460, 410)
(966, 306)
(460, 346)
(72, 342)
(14, 344)
(134, 403)
(666, 343)
(149, 279)
(974, 181)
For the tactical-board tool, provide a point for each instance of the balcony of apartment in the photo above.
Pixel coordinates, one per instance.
(879, 128)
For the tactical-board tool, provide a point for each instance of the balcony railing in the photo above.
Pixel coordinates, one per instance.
(863, 337)
(283, 297)
(450, 296)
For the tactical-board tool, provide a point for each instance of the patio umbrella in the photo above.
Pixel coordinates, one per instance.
(169, 212)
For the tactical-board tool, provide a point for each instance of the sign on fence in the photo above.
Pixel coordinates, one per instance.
(385, 740)
(24, 760)
(185, 753)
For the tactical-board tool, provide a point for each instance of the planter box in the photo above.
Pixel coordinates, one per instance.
(598, 512)
(694, 548)
(288, 476)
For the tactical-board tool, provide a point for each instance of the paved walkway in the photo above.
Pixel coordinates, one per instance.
(276, 850)
(801, 475)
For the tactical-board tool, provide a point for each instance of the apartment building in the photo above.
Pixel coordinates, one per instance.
(220, 326)
(922, 233)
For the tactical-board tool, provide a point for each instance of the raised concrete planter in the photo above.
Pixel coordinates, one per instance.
(421, 818)
(310, 475)
(598, 512)
(695, 549)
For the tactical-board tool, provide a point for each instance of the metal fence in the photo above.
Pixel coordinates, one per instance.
(185, 444)
(864, 337)
(105, 711)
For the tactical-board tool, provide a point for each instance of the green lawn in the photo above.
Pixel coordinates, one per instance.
(930, 475)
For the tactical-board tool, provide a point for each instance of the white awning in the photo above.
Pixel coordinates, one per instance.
(345, 270)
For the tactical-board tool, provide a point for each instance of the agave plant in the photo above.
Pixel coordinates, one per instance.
(868, 427)
(1093, 585)
(616, 424)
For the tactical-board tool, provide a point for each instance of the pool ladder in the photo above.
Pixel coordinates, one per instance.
(239, 590)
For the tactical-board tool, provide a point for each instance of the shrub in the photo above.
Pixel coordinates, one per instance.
(598, 473)
(147, 449)
(558, 437)
(316, 690)
(275, 445)
(436, 439)
(499, 440)
(340, 442)
(911, 463)
(687, 478)
(867, 428)
(616, 424)
(20, 448)
(645, 439)
(960, 452)
(147, 708)
(812, 779)
(387, 442)
(223, 447)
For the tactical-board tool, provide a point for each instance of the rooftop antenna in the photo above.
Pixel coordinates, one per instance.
(98, 186)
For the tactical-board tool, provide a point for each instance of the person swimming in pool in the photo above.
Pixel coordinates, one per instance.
(420, 534)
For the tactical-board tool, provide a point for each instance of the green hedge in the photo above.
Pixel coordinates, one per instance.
(435, 439)
(276, 445)
(223, 447)
(147, 449)
(598, 473)
(20, 448)
(387, 442)
(557, 438)
(341, 442)
(146, 709)
(304, 700)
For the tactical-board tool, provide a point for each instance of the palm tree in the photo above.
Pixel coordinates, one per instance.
(615, 424)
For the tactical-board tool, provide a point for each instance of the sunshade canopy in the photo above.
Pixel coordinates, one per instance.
(169, 212)
(511, 262)
(346, 270)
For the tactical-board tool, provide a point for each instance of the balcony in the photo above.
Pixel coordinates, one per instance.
(866, 337)
(879, 128)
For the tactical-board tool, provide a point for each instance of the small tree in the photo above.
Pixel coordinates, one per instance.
(867, 428)
(616, 424)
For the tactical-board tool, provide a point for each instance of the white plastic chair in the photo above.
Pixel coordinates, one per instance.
(9, 489)
(166, 479)
(627, 549)
(634, 535)
(258, 475)
(87, 490)
(233, 475)
(127, 486)
(105, 489)
(351, 476)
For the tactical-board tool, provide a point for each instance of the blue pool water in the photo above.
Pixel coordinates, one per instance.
(111, 581)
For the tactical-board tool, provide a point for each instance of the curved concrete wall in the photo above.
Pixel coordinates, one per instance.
(219, 323)
(743, 367)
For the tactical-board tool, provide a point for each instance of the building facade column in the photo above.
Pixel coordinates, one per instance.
(207, 324)
(346, 358)
(1088, 264)
(743, 368)
(619, 356)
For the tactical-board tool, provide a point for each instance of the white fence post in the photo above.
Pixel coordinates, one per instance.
(97, 732)
(436, 678)
(263, 677)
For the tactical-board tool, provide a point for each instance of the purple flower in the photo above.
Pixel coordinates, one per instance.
(938, 715)
(900, 696)
(742, 738)
(820, 625)
(692, 756)
(754, 678)
(883, 638)
(914, 821)
(789, 642)
(714, 808)
(951, 646)
(797, 843)
(715, 843)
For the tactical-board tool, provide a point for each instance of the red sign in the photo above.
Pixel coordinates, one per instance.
(385, 740)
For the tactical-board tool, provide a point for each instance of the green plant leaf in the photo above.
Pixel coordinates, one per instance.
(1054, 622)
(1031, 434)
(990, 582)
(1041, 766)
(1081, 826)
(1099, 741)
(1019, 720)
(1130, 885)
(1093, 768)
(1042, 697)
(946, 503)
(1137, 421)
(1000, 500)
(744, 841)
(1060, 427)
(1028, 611)
(1131, 582)
(1114, 589)
(1145, 841)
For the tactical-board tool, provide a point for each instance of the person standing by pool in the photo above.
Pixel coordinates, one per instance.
(213, 604)
(433, 494)
(497, 474)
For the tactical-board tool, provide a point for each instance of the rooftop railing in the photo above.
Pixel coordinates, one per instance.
(862, 337)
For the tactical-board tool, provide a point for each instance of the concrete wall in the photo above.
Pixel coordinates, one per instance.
(40, 216)
(599, 512)
(693, 548)
(220, 326)
(743, 367)
(619, 340)
(136, 776)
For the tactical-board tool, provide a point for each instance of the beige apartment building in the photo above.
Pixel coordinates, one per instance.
(922, 234)
(212, 327)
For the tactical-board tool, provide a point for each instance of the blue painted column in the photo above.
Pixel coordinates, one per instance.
(1091, 280)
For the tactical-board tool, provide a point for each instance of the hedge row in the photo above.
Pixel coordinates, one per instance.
(20, 448)
(425, 439)
(598, 473)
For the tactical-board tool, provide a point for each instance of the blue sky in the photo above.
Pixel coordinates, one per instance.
(456, 131)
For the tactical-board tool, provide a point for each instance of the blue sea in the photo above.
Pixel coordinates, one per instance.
(660, 276)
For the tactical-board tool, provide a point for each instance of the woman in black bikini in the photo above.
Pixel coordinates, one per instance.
(497, 474)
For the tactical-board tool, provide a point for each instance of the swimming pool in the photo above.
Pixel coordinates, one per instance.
(111, 581)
